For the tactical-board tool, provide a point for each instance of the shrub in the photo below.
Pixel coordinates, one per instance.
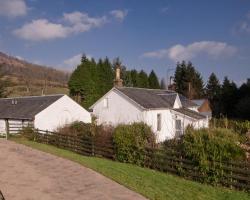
(131, 141)
(208, 148)
(76, 129)
(28, 133)
(238, 126)
(212, 145)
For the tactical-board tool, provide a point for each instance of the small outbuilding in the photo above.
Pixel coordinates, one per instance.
(41, 112)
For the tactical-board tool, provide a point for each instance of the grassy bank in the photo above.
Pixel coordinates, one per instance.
(152, 184)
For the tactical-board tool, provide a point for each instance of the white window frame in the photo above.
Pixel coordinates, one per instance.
(158, 122)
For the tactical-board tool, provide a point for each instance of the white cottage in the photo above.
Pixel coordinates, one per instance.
(166, 112)
(43, 112)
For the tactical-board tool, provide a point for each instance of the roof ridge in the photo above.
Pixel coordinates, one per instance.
(147, 89)
(23, 97)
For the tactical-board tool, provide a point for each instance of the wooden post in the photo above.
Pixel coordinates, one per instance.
(7, 129)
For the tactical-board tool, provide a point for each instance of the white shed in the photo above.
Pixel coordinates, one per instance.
(43, 112)
(166, 112)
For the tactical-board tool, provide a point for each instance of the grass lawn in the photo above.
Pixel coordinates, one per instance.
(151, 184)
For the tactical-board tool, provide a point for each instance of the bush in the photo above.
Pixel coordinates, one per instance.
(212, 145)
(208, 148)
(237, 126)
(131, 141)
(76, 129)
(28, 133)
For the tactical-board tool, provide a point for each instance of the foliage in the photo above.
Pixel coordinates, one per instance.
(76, 129)
(91, 80)
(237, 126)
(188, 81)
(153, 81)
(130, 142)
(211, 145)
(28, 133)
(209, 148)
(142, 80)
(213, 93)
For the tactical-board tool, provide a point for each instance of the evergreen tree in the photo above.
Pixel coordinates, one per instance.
(105, 75)
(153, 81)
(142, 80)
(229, 97)
(83, 82)
(188, 81)
(213, 93)
(134, 78)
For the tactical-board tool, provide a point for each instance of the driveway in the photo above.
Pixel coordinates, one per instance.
(29, 174)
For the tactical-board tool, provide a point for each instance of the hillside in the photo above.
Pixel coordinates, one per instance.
(24, 78)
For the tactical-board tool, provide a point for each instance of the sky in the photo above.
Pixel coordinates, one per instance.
(145, 34)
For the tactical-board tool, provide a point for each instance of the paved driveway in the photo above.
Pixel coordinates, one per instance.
(29, 174)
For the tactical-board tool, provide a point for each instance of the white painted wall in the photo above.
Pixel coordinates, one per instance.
(62, 112)
(2, 127)
(119, 110)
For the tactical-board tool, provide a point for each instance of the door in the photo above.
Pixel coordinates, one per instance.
(178, 128)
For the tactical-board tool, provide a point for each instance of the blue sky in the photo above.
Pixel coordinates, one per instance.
(145, 34)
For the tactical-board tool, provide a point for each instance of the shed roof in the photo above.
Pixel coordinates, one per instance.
(190, 113)
(25, 107)
(154, 98)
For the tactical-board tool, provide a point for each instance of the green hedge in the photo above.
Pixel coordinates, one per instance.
(131, 141)
(237, 126)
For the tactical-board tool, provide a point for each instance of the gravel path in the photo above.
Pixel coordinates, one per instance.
(29, 174)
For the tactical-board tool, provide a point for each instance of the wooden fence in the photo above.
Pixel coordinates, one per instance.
(84, 145)
(231, 174)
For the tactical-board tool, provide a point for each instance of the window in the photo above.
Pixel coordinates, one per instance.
(105, 103)
(158, 122)
(178, 128)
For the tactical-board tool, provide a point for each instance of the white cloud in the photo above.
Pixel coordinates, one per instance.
(74, 61)
(42, 29)
(119, 14)
(180, 52)
(73, 23)
(81, 22)
(13, 8)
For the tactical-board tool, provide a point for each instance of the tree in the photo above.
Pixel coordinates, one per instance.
(153, 81)
(142, 80)
(105, 75)
(213, 93)
(229, 97)
(134, 78)
(188, 81)
(83, 82)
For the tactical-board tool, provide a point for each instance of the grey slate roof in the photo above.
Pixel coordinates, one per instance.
(25, 107)
(150, 98)
(154, 98)
(190, 113)
(199, 102)
(186, 102)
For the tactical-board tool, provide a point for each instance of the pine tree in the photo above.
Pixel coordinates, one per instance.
(134, 77)
(229, 97)
(188, 81)
(83, 82)
(213, 93)
(142, 80)
(153, 81)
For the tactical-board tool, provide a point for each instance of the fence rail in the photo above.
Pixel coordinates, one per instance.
(232, 174)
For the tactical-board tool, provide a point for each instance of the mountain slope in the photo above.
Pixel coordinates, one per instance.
(24, 78)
